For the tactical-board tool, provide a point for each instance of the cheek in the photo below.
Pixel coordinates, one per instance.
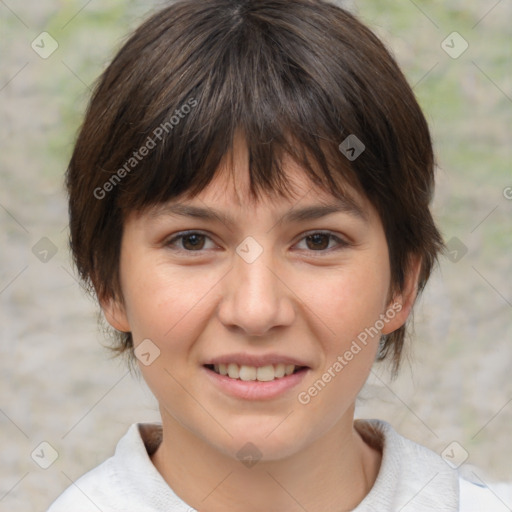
(166, 305)
(349, 300)
(349, 305)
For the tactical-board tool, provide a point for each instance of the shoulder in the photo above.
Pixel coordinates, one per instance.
(89, 492)
(115, 484)
(475, 495)
(413, 477)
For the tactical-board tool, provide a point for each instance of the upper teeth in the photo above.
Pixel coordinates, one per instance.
(261, 373)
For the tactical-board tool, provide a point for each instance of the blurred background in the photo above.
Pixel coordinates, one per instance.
(62, 388)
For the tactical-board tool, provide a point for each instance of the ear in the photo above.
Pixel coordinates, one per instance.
(402, 303)
(115, 313)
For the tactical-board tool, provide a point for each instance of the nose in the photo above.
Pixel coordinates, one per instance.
(256, 297)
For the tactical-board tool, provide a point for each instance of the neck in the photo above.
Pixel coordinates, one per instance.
(333, 473)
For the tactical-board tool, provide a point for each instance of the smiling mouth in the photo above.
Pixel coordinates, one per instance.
(265, 373)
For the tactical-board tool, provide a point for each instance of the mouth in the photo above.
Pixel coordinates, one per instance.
(247, 373)
(258, 377)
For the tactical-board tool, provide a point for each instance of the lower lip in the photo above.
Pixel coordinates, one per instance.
(254, 389)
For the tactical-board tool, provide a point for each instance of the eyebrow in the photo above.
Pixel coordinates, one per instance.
(343, 205)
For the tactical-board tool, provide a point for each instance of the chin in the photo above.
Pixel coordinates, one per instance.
(262, 441)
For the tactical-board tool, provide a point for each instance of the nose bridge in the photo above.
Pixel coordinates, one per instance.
(255, 298)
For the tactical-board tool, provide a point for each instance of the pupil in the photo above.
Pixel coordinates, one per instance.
(315, 239)
(195, 243)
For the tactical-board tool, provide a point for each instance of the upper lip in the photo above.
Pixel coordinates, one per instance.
(255, 360)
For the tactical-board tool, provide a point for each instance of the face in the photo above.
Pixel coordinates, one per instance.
(258, 294)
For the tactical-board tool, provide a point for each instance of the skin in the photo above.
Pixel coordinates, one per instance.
(296, 298)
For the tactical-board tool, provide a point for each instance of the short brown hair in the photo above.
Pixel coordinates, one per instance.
(296, 77)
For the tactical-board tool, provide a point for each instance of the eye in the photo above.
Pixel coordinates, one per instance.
(191, 241)
(319, 241)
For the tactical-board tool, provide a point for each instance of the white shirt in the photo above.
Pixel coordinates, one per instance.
(411, 478)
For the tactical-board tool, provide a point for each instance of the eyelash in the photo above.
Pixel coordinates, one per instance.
(341, 242)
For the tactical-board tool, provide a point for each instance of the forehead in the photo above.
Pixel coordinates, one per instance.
(231, 186)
